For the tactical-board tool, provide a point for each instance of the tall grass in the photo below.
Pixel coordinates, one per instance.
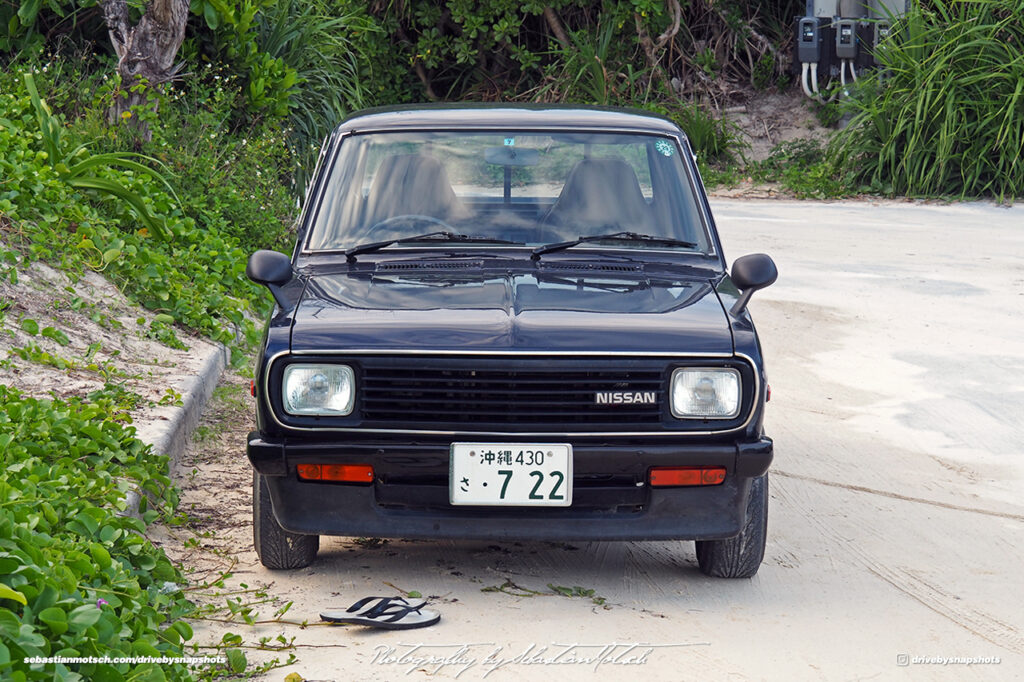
(315, 40)
(945, 116)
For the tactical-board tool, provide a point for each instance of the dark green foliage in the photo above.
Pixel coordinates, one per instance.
(946, 116)
(306, 64)
(298, 62)
(501, 49)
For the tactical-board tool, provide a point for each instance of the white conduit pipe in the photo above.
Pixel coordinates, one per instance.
(814, 85)
(803, 80)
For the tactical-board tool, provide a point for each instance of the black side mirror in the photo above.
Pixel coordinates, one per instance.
(273, 270)
(750, 273)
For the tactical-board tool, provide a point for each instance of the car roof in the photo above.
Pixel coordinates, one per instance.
(460, 116)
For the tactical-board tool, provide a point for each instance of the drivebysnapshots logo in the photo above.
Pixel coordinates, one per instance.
(904, 660)
(114, 660)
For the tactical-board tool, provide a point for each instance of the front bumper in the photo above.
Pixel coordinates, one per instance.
(612, 499)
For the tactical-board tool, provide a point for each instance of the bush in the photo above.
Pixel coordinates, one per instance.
(298, 62)
(233, 199)
(945, 116)
(802, 168)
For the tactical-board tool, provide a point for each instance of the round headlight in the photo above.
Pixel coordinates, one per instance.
(327, 390)
(705, 393)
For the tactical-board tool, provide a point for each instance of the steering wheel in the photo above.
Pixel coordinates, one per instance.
(409, 217)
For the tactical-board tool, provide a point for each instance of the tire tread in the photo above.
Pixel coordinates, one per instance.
(741, 556)
(277, 548)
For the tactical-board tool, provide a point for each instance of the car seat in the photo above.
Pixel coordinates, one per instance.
(411, 184)
(599, 196)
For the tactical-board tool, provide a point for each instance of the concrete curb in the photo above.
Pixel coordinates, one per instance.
(169, 434)
(168, 437)
(169, 428)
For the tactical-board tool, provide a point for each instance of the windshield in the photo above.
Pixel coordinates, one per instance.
(523, 187)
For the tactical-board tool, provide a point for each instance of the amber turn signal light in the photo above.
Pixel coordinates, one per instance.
(337, 473)
(680, 476)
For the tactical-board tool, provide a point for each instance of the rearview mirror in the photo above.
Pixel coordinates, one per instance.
(750, 273)
(511, 156)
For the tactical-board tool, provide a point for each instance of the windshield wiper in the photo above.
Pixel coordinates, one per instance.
(442, 236)
(614, 236)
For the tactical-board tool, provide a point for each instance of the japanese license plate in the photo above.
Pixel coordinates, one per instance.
(512, 474)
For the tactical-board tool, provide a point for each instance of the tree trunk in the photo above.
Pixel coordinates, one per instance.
(145, 53)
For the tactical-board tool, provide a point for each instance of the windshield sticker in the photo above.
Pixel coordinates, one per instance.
(510, 142)
(664, 147)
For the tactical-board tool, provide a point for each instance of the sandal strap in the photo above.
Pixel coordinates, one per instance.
(366, 600)
(393, 611)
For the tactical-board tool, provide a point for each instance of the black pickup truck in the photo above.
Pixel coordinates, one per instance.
(510, 322)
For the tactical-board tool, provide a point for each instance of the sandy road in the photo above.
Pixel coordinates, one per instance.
(895, 343)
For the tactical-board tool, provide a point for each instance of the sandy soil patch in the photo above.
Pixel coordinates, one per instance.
(63, 338)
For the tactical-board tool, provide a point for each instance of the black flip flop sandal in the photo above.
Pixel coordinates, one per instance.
(385, 613)
(368, 603)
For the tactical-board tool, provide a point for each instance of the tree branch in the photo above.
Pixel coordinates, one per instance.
(115, 14)
(555, 24)
(762, 42)
(653, 48)
(427, 89)
(671, 31)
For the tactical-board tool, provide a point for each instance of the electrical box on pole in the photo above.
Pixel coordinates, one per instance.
(846, 39)
(883, 14)
(808, 46)
(841, 38)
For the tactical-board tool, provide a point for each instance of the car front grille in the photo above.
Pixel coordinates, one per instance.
(554, 394)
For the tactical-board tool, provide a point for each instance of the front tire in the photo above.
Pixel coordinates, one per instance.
(277, 548)
(741, 556)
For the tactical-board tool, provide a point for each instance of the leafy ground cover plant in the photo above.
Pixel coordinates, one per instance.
(76, 577)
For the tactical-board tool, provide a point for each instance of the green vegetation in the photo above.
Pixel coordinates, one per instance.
(946, 116)
(83, 171)
(304, 65)
(76, 577)
(218, 220)
(802, 168)
(172, 219)
(298, 61)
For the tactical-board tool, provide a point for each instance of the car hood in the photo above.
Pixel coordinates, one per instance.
(509, 312)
